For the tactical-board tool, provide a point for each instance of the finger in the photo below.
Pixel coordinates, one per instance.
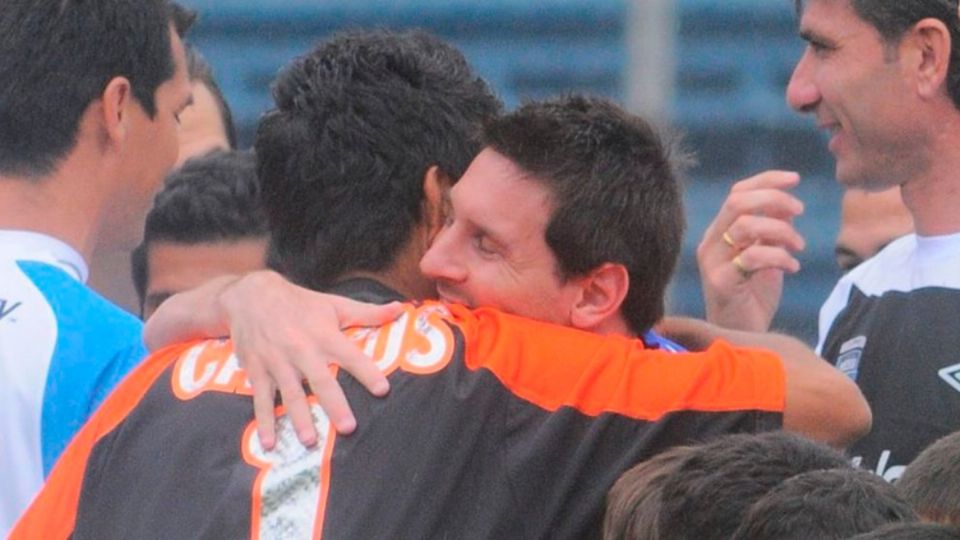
(768, 180)
(749, 230)
(264, 395)
(734, 230)
(333, 402)
(353, 313)
(759, 257)
(298, 410)
(361, 366)
(769, 203)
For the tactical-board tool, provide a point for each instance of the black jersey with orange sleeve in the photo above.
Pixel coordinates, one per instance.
(495, 427)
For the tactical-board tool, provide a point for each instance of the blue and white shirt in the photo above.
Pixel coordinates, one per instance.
(62, 349)
(892, 326)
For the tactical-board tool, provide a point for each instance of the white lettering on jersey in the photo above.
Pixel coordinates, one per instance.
(7, 307)
(290, 491)
(890, 474)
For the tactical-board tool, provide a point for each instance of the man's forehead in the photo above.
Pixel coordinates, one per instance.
(834, 21)
(491, 166)
(802, 5)
(806, 8)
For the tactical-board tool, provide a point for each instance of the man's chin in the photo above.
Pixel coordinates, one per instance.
(851, 177)
(848, 175)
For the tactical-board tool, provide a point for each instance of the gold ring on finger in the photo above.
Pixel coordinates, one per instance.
(728, 240)
(741, 269)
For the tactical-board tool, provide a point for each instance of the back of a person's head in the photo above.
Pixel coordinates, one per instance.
(214, 198)
(911, 531)
(931, 483)
(616, 195)
(826, 505)
(709, 494)
(633, 504)
(56, 59)
(342, 157)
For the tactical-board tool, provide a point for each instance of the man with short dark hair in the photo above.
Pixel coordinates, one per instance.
(206, 222)
(883, 77)
(485, 404)
(89, 98)
(831, 504)
(593, 229)
(362, 227)
(708, 495)
(206, 125)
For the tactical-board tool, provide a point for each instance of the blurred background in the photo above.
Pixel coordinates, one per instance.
(715, 70)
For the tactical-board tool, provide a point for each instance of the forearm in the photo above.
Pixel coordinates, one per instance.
(189, 315)
(821, 402)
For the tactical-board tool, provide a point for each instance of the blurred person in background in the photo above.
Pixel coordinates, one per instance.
(207, 124)
(883, 77)
(207, 221)
(869, 222)
(90, 93)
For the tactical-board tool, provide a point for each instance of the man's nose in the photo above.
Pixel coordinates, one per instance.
(441, 261)
(802, 92)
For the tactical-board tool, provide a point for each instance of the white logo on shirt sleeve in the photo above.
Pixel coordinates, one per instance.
(951, 374)
(848, 360)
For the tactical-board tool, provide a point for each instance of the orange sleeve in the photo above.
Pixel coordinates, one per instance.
(553, 367)
(53, 512)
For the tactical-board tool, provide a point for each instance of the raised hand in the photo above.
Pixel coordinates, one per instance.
(746, 250)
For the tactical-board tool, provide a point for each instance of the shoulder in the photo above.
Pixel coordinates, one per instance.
(890, 269)
(556, 366)
(886, 270)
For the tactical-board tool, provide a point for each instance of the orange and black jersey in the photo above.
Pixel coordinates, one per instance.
(495, 427)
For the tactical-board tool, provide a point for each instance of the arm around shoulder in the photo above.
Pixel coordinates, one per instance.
(821, 402)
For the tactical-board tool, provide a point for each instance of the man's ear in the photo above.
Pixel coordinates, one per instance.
(436, 183)
(117, 100)
(601, 296)
(928, 48)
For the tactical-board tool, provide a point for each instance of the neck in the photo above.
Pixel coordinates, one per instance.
(61, 205)
(933, 194)
(403, 277)
(613, 326)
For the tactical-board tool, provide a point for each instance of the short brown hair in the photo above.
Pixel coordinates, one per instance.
(613, 181)
(633, 503)
(931, 483)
